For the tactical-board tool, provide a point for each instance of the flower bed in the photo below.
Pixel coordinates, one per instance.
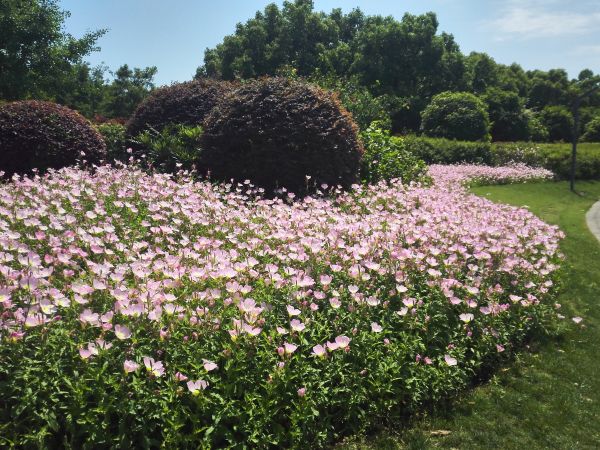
(141, 310)
(454, 175)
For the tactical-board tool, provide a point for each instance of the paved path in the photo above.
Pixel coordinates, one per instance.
(593, 219)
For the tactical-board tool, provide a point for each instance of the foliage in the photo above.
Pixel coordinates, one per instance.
(386, 158)
(37, 57)
(114, 138)
(154, 312)
(536, 130)
(456, 115)
(408, 61)
(401, 58)
(365, 107)
(43, 135)
(592, 131)
(178, 104)
(127, 90)
(280, 133)
(447, 151)
(558, 120)
(176, 147)
(507, 116)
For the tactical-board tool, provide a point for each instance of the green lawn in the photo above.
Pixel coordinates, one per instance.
(549, 398)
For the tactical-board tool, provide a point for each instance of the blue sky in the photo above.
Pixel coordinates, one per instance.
(172, 35)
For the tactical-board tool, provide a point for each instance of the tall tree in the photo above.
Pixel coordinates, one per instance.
(127, 90)
(36, 55)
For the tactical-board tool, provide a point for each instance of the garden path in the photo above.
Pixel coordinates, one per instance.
(593, 219)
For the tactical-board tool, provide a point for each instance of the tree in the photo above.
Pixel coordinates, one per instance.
(36, 56)
(507, 116)
(456, 115)
(482, 72)
(592, 131)
(559, 123)
(127, 90)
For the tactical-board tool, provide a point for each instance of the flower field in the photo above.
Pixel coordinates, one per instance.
(148, 310)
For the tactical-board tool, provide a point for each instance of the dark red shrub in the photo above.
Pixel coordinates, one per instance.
(179, 104)
(42, 135)
(276, 132)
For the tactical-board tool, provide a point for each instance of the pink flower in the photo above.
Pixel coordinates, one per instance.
(85, 353)
(450, 360)
(342, 341)
(130, 366)
(297, 325)
(577, 319)
(319, 350)
(180, 377)
(302, 392)
(289, 348)
(467, 317)
(376, 328)
(209, 365)
(155, 367)
(293, 311)
(122, 332)
(196, 386)
(335, 302)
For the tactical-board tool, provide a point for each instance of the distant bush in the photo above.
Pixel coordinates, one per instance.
(277, 132)
(456, 115)
(559, 123)
(180, 104)
(113, 134)
(386, 158)
(43, 135)
(592, 131)
(357, 99)
(175, 148)
(447, 151)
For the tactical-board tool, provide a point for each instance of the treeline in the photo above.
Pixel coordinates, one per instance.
(394, 71)
(38, 60)
(402, 64)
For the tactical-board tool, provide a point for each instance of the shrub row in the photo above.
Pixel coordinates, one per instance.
(281, 134)
(446, 151)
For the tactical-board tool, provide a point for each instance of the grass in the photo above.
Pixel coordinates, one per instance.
(549, 398)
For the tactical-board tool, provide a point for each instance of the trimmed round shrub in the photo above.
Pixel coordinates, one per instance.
(277, 133)
(179, 104)
(456, 115)
(43, 135)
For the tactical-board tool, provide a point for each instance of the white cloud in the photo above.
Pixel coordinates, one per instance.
(588, 50)
(529, 19)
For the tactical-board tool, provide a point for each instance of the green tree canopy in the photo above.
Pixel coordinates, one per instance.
(37, 58)
(456, 115)
(507, 116)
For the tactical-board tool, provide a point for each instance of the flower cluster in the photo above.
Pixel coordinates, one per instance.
(476, 174)
(238, 307)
